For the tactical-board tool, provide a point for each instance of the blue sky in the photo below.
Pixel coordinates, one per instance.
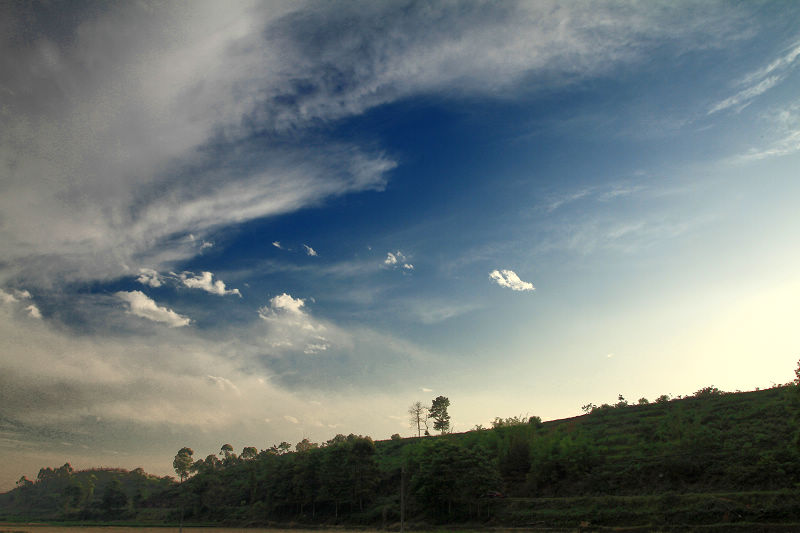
(255, 222)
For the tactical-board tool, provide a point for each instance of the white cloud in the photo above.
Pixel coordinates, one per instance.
(291, 419)
(141, 305)
(509, 279)
(204, 281)
(148, 276)
(760, 81)
(120, 389)
(425, 389)
(7, 298)
(316, 347)
(223, 384)
(309, 250)
(11, 299)
(277, 244)
(742, 98)
(131, 110)
(283, 304)
(784, 123)
(397, 260)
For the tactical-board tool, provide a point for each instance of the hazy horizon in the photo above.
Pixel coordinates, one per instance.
(255, 222)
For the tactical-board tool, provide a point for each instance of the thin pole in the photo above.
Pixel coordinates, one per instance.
(402, 498)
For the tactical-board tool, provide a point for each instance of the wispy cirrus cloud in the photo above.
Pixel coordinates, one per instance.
(784, 124)
(139, 171)
(760, 81)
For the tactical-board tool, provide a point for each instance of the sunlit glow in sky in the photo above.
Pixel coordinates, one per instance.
(255, 222)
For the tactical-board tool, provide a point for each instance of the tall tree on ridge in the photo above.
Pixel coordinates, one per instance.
(438, 411)
(419, 417)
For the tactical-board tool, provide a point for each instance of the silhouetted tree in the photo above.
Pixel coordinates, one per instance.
(438, 411)
(419, 417)
(183, 462)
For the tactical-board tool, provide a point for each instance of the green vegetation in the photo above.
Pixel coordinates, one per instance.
(715, 459)
(98, 494)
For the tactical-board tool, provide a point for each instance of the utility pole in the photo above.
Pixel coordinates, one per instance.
(403, 498)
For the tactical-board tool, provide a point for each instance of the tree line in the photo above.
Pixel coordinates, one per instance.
(708, 442)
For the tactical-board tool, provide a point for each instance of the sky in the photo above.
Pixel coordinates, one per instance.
(254, 222)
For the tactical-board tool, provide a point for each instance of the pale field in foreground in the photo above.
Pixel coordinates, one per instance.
(20, 528)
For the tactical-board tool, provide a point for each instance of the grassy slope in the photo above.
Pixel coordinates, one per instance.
(728, 461)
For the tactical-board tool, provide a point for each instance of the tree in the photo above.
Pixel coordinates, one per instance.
(797, 374)
(363, 469)
(305, 445)
(249, 452)
(419, 417)
(183, 462)
(114, 497)
(280, 449)
(438, 411)
(226, 451)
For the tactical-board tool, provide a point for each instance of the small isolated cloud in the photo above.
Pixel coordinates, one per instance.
(397, 260)
(277, 245)
(205, 282)
(139, 304)
(508, 278)
(610, 355)
(283, 304)
(310, 251)
(426, 389)
(206, 244)
(291, 419)
(15, 298)
(316, 347)
(7, 298)
(149, 277)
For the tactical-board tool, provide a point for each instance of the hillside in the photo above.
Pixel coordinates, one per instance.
(716, 459)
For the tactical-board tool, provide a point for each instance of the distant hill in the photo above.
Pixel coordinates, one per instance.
(97, 494)
(717, 460)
